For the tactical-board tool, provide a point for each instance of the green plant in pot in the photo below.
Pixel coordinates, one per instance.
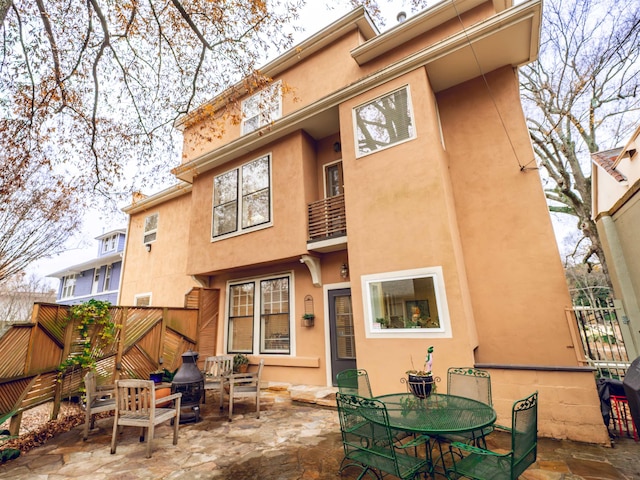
(421, 382)
(240, 363)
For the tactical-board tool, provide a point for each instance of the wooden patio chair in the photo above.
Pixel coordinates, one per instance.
(245, 385)
(361, 422)
(216, 368)
(99, 398)
(136, 407)
(354, 381)
(481, 464)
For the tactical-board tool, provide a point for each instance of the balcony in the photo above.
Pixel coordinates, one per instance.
(327, 225)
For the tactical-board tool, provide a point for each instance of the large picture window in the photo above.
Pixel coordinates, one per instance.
(262, 108)
(242, 198)
(260, 316)
(383, 122)
(407, 303)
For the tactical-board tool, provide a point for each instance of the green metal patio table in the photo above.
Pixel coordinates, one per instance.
(438, 414)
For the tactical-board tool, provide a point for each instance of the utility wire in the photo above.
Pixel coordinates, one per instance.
(493, 100)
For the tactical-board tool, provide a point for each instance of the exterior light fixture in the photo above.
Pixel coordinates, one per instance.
(344, 271)
(148, 246)
(337, 147)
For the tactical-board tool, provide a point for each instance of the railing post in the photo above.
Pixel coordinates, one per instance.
(123, 333)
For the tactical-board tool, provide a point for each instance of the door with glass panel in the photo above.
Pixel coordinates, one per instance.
(343, 345)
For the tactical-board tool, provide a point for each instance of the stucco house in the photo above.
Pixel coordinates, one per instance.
(615, 183)
(98, 278)
(383, 187)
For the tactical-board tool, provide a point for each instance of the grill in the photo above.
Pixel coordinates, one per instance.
(189, 381)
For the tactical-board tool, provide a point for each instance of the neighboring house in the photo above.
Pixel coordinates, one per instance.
(98, 278)
(387, 190)
(616, 210)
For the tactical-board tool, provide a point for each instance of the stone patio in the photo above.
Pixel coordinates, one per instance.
(296, 437)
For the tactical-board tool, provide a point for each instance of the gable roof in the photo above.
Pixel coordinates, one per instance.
(607, 160)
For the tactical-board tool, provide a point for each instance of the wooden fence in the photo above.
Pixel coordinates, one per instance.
(147, 338)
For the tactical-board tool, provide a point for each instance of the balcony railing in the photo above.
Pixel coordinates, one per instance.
(327, 219)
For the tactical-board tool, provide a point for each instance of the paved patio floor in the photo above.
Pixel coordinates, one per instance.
(291, 440)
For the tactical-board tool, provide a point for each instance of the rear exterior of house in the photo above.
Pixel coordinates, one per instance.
(386, 194)
(98, 278)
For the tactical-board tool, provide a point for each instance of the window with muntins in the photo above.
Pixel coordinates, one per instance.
(242, 198)
(109, 243)
(150, 229)
(383, 122)
(69, 286)
(260, 317)
(406, 303)
(262, 108)
(142, 300)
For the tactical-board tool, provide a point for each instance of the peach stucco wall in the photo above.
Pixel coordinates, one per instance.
(161, 271)
(401, 216)
(293, 166)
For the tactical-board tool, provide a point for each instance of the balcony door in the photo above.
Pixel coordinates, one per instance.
(343, 345)
(334, 184)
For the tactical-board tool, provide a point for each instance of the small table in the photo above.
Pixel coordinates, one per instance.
(437, 414)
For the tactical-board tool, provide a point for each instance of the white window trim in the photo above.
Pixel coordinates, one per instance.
(73, 277)
(153, 230)
(142, 295)
(240, 230)
(108, 278)
(256, 314)
(276, 85)
(441, 302)
(360, 154)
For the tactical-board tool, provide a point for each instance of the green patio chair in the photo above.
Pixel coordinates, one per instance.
(481, 464)
(471, 383)
(361, 421)
(354, 381)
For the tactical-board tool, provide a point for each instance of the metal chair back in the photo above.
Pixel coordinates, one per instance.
(524, 434)
(354, 381)
(470, 383)
(368, 440)
(481, 464)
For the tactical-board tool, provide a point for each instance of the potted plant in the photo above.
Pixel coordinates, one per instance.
(384, 323)
(421, 381)
(308, 319)
(240, 363)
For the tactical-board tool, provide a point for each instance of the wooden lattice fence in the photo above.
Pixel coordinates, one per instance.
(147, 338)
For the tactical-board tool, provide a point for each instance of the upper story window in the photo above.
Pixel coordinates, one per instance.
(107, 278)
(383, 122)
(150, 228)
(262, 108)
(109, 243)
(408, 303)
(260, 316)
(242, 198)
(69, 286)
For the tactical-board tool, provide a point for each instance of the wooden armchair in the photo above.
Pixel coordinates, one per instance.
(136, 407)
(245, 385)
(215, 370)
(98, 399)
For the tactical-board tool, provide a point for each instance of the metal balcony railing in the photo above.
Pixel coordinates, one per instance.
(327, 219)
